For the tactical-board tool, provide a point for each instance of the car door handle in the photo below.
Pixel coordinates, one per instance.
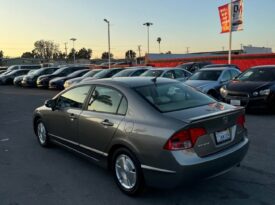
(72, 116)
(106, 122)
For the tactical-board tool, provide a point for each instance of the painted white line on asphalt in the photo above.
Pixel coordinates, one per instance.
(4, 140)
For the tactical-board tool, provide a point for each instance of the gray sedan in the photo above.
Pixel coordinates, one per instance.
(152, 131)
(210, 80)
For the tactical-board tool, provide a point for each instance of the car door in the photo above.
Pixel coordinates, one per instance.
(99, 122)
(62, 123)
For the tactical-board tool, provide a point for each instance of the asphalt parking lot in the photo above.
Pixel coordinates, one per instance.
(30, 174)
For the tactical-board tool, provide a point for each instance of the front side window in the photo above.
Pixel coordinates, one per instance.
(169, 74)
(105, 100)
(170, 97)
(180, 74)
(152, 73)
(226, 76)
(73, 98)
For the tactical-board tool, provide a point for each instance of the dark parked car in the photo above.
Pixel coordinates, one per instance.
(221, 65)
(210, 80)
(9, 77)
(30, 79)
(158, 132)
(17, 81)
(105, 73)
(57, 83)
(43, 81)
(74, 81)
(254, 88)
(193, 66)
(132, 71)
(173, 73)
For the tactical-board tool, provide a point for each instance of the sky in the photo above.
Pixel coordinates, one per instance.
(179, 23)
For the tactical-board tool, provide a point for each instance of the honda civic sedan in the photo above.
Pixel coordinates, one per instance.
(148, 131)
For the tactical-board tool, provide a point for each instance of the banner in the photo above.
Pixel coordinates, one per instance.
(236, 20)
(237, 15)
(225, 18)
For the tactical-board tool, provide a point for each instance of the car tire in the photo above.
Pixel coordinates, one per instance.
(42, 134)
(127, 172)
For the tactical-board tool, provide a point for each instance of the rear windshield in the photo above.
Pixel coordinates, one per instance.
(91, 73)
(173, 96)
(212, 75)
(124, 73)
(152, 73)
(258, 74)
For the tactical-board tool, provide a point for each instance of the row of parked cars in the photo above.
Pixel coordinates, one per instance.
(253, 88)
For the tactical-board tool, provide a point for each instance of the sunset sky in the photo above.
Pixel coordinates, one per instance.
(180, 24)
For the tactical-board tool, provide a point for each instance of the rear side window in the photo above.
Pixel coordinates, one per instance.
(173, 96)
(138, 72)
(73, 98)
(169, 74)
(122, 107)
(105, 100)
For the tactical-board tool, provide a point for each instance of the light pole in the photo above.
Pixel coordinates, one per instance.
(148, 24)
(109, 47)
(73, 40)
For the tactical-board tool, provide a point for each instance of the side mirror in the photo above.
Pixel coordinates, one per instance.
(50, 104)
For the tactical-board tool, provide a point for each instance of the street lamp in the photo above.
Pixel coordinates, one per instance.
(148, 24)
(73, 40)
(109, 48)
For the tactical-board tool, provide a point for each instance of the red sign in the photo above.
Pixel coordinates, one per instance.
(224, 12)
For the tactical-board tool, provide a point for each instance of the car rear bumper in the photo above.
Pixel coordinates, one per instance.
(192, 168)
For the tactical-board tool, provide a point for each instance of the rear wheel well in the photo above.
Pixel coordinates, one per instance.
(112, 151)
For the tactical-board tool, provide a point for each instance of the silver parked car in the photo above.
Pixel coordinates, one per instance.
(153, 131)
(173, 73)
(209, 80)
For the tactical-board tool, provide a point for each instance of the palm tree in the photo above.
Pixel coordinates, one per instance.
(159, 40)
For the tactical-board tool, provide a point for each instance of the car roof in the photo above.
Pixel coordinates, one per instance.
(263, 66)
(130, 82)
(218, 68)
(166, 68)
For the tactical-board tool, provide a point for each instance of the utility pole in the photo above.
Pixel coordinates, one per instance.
(73, 40)
(109, 47)
(66, 49)
(148, 24)
(139, 51)
(187, 50)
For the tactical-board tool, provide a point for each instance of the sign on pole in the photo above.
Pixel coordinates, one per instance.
(231, 16)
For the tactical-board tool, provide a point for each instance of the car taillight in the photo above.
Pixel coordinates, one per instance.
(184, 139)
(241, 120)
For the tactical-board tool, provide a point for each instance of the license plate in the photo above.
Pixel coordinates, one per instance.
(222, 136)
(235, 102)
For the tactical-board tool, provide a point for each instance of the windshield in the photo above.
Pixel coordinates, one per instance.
(91, 73)
(173, 96)
(14, 67)
(60, 70)
(77, 73)
(258, 74)
(124, 73)
(211, 75)
(152, 73)
(101, 74)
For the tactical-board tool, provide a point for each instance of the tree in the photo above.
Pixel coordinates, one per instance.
(27, 55)
(168, 52)
(1, 54)
(71, 54)
(84, 53)
(130, 55)
(159, 40)
(105, 55)
(45, 49)
(59, 56)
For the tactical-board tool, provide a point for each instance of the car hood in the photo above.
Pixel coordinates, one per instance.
(201, 84)
(75, 80)
(59, 79)
(247, 86)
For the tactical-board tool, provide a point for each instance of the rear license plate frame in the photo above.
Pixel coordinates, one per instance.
(222, 136)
